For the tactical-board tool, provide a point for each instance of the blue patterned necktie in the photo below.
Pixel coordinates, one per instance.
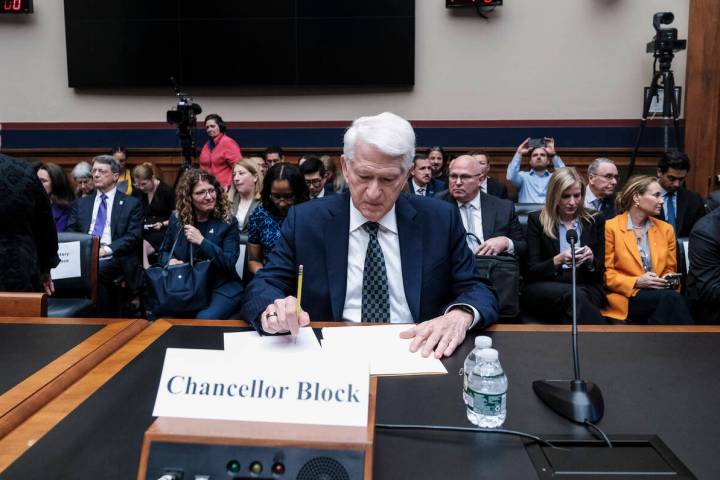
(671, 211)
(101, 217)
(375, 294)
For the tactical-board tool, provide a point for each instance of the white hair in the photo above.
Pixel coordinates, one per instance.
(82, 170)
(595, 165)
(389, 133)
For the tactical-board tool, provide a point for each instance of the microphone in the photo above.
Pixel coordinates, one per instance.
(576, 400)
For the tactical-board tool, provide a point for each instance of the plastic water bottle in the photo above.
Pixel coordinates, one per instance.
(488, 386)
(481, 342)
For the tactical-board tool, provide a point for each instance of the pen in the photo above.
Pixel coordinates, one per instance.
(299, 293)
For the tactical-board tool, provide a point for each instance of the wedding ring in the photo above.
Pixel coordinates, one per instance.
(271, 314)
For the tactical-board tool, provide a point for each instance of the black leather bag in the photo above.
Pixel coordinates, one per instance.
(503, 272)
(177, 289)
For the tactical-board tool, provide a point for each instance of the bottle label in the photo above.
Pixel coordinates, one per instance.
(488, 404)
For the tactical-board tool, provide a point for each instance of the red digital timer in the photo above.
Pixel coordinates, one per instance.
(16, 6)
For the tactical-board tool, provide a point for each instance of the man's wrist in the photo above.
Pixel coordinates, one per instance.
(467, 314)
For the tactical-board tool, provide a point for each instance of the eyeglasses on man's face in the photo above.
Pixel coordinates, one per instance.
(453, 177)
(314, 182)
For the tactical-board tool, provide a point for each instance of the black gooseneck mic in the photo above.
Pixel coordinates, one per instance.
(582, 401)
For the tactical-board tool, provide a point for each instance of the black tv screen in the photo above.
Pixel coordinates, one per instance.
(139, 43)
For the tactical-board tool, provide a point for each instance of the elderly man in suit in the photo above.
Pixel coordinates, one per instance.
(375, 254)
(117, 219)
(602, 180)
(491, 222)
(681, 208)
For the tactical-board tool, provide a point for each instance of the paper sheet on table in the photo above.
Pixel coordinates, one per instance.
(249, 341)
(387, 353)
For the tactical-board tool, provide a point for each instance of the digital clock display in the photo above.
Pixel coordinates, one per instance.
(16, 6)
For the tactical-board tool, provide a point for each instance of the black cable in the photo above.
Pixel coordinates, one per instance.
(447, 428)
(597, 429)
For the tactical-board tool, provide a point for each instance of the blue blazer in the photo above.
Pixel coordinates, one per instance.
(125, 230)
(222, 247)
(431, 189)
(438, 268)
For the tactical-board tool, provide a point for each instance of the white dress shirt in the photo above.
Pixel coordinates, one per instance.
(106, 238)
(321, 194)
(477, 222)
(416, 188)
(483, 185)
(357, 248)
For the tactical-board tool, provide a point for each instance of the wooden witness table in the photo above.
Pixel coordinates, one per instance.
(655, 380)
(41, 357)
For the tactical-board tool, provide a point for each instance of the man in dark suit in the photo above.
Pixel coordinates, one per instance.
(682, 207)
(488, 184)
(313, 170)
(703, 283)
(421, 180)
(374, 254)
(602, 180)
(492, 221)
(117, 219)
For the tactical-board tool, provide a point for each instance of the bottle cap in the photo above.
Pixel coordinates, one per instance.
(483, 341)
(488, 355)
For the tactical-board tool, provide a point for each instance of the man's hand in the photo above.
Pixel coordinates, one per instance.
(441, 335)
(550, 147)
(280, 317)
(523, 148)
(193, 235)
(47, 283)
(493, 246)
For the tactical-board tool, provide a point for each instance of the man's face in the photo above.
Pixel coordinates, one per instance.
(436, 162)
(422, 171)
(85, 185)
(672, 179)
(374, 180)
(103, 177)
(539, 160)
(272, 158)
(484, 165)
(121, 159)
(603, 182)
(464, 178)
(315, 183)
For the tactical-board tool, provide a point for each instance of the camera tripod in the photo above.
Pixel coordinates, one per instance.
(664, 79)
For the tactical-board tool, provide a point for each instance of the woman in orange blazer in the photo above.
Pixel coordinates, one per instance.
(639, 257)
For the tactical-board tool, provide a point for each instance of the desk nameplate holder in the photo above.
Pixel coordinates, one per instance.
(198, 447)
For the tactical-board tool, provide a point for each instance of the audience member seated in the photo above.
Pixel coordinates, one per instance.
(313, 170)
(489, 185)
(59, 192)
(491, 222)
(220, 152)
(548, 288)
(436, 155)
(158, 202)
(375, 254)
(117, 219)
(273, 155)
(713, 201)
(82, 174)
(532, 185)
(204, 229)
(639, 254)
(681, 207)
(283, 187)
(602, 180)
(259, 163)
(124, 184)
(421, 181)
(334, 180)
(703, 283)
(244, 197)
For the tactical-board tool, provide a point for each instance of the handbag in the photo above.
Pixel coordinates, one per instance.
(503, 272)
(178, 289)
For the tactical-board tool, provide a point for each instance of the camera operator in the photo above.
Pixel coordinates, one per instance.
(220, 153)
(532, 185)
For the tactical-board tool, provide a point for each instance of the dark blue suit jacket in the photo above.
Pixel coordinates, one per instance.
(438, 268)
(221, 247)
(125, 229)
(431, 189)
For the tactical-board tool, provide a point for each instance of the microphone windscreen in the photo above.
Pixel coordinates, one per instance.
(571, 236)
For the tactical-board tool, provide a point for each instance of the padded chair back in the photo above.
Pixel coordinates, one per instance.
(523, 210)
(84, 286)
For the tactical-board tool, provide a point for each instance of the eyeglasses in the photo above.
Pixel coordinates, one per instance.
(463, 178)
(314, 182)
(609, 176)
(202, 193)
(288, 197)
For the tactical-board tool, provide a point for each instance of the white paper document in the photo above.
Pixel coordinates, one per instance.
(251, 341)
(382, 346)
(69, 266)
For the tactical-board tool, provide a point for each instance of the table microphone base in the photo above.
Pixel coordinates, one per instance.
(575, 400)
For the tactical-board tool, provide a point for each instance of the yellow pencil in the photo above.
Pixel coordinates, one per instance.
(299, 291)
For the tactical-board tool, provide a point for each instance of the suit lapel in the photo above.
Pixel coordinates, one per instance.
(653, 235)
(118, 205)
(682, 205)
(87, 213)
(336, 253)
(629, 239)
(488, 216)
(411, 258)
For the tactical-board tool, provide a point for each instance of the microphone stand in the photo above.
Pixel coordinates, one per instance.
(576, 400)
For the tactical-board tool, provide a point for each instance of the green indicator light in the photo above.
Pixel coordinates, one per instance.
(233, 466)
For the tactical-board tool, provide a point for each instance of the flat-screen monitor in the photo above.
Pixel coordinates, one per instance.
(139, 43)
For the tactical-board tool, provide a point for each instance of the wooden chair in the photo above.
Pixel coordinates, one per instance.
(23, 304)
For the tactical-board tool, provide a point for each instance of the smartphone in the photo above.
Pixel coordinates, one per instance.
(536, 142)
(673, 281)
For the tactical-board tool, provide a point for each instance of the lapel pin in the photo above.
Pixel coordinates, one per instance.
(212, 230)
(121, 202)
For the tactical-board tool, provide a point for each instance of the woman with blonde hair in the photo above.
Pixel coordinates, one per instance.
(244, 195)
(640, 259)
(548, 288)
(158, 202)
(203, 227)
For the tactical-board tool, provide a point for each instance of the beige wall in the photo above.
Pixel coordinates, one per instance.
(558, 59)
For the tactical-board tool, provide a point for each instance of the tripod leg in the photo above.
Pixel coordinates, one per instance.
(673, 106)
(652, 92)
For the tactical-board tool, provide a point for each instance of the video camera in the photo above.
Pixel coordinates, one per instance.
(666, 39)
(184, 115)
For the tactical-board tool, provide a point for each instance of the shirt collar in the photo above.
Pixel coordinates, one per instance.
(417, 187)
(589, 196)
(475, 202)
(357, 220)
(664, 192)
(544, 174)
(110, 195)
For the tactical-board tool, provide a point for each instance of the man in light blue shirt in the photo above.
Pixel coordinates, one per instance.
(532, 185)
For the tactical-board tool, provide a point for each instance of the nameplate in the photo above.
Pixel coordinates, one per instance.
(69, 266)
(259, 387)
